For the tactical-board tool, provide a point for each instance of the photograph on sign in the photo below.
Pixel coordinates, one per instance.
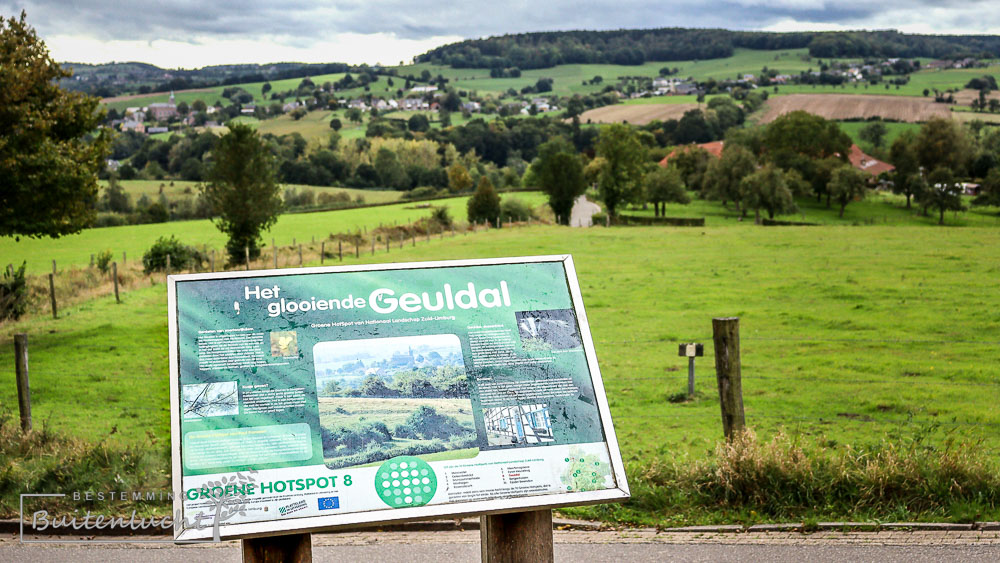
(335, 396)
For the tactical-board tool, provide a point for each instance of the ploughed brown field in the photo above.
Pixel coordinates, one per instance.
(856, 106)
(639, 114)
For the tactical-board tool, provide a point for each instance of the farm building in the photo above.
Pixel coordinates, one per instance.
(866, 163)
(714, 148)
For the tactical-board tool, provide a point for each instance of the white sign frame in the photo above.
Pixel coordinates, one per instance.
(619, 493)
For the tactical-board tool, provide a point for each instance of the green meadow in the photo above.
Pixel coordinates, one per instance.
(75, 250)
(847, 332)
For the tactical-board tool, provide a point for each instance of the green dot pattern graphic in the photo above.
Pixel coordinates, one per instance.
(405, 481)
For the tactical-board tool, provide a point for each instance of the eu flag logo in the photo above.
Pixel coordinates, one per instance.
(329, 503)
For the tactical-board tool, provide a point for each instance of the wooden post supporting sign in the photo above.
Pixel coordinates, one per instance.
(291, 548)
(515, 537)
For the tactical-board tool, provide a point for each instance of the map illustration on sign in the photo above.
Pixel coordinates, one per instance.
(324, 397)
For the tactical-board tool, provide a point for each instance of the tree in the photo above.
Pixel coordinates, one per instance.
(989, 190)
(336, 124)
(767, 188)
(49, 156)
(353, 114)
(619, 178)
(484, 205)
(265, 89)
(558, 171)
(663, 186)
(724, 176)
(874, 133)
(418, 122)
(390, 172)
(458, 179)
(906, 176)
(847, 184)
(242, 190)
(941, 143)
(943, 192)
(798, 140)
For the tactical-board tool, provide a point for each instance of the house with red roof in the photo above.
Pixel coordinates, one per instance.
(714, 148)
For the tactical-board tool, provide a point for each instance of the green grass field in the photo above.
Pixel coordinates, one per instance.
(75, 250)
(853, 128)
(848, 333)
(178, 189)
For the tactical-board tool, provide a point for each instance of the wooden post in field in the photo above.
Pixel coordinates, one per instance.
(114, 275)
(213, 259)
(168, 264)
(322, 251)
(414, 237)
(314, 239)
(726, 335)
(428, 232)
(357, 249)
(275, 248)
(300, 255)
(402, 239)
(518, 536)
(53, 266)
(21, 374)
(292, 548)
(246, 253)
(124, 258)
(387, 237)
(52, 293)
(373, 244)
(91, 260)
(340, 250)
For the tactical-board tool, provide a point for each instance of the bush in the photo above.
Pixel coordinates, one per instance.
(421, 192)
(428, 424)
(182, 257)
(13, 293)
(104, 261)
(339, 199)
(441, 216)
(513, 209)
(484, 205)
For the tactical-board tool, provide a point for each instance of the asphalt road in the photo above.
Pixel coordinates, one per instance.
(596, 547)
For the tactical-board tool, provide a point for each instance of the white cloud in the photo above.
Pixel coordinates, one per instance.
(351, 48)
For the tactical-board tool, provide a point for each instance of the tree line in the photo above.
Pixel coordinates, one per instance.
(635, 47)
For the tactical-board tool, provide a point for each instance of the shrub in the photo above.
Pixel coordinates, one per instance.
(441, 216)
(428, 424)
(104, 261)
(422, 192)
(335, 198)
(484, 204)
(513, 209)
(182, 257)
(13, 293)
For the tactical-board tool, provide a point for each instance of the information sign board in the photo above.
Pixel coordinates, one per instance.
(314, 398)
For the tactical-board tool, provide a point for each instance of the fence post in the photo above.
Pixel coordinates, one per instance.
(274, 247)
(300, 255)
(373, 244)
(52, 293)
(168, 264)
(21, 373)
(340, 250)
(322, 252)
(246, 253)
(726, 335)
(53, 266)
(114, 274)
(213, 259)
(91, 260)
(414, 237)
(293, 548)
(387, 237)
(357, 249)
(518, 536)
(124, 259)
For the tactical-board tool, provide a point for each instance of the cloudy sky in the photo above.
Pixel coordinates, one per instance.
(188, 34)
